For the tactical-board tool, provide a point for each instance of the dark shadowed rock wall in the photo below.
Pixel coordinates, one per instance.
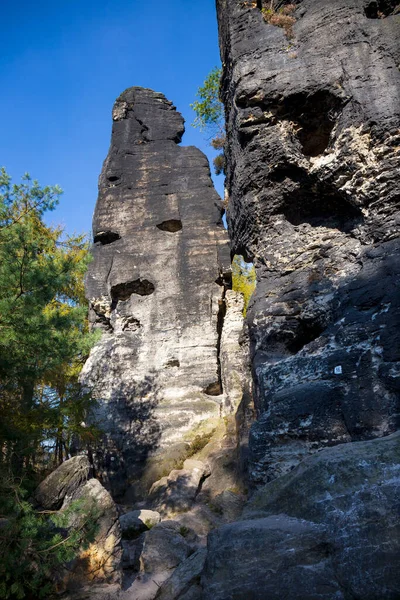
(313, 154)
(156, 288)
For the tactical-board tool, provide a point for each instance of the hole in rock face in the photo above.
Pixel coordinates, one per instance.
(213, 389)
(225, 280)
(172, 225)
(305, 334)
(113, 178)
(123, 291)
(173, 363)
(314, 117)
(106, 237)
(379, 9)
(313, 201)
(131, 324)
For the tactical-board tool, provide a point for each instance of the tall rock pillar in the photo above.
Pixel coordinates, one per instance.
(156, 287)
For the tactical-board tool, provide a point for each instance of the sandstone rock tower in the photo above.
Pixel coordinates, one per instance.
(156, 287)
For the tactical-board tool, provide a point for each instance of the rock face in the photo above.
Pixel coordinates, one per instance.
(62, 482)
(156, 287)
(313, 137)
(327, 530)
(100, 561)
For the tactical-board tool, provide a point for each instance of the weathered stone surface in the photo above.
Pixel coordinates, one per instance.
(354, 491)
(177, 492)
(329, 529)
(275, 557)
(137, 521)
(164, 548)
(313, 131)
(67, 478)
(131, 551)
(184, 576)
(101, 560)
(230, 504)
(155, 287)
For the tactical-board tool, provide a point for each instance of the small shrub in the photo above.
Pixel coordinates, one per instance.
(282, 17)
(219, 164)
(184, 531)
(199, 442)
(36, 546)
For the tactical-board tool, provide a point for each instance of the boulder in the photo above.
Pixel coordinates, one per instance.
(62, 482)
(135, 522)
(177, 492)
(275, 557)
(183, 578)
(164, 548)
(329, 529)
(101, 561)
(131, 551)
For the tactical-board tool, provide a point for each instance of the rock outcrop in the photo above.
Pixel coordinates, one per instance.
(64, 481)
(71, 488)
(313, 137)
(156, 287)
(327, 530)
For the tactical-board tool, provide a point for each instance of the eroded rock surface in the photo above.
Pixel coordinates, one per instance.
(329, 529)
(101, 560)
(72, 487)
(313, 137)
(156, 287)
(62, 482)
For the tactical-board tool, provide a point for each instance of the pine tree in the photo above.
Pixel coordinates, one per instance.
(43, 330)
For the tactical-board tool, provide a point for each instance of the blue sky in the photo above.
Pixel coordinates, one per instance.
(62, 64)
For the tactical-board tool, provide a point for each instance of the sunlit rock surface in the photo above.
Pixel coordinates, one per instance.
(156, 287)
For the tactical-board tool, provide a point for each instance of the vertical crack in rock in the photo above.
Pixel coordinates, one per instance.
(158, 251)
(216, 388)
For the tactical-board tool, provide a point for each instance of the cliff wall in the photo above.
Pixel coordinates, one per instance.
(313, 138)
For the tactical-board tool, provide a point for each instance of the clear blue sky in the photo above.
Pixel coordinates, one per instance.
(63, 63)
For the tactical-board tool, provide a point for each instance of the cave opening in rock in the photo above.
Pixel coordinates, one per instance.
(172, 225)
(313, 117)
(213, 389)
(174, 362)
(113, 178)
(305, 334)
(379, 9)
(314, 202)
(106, 237)
(123, 291)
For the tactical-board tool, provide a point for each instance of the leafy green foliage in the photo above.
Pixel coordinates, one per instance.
(44, 341)
(243, 279)
(279, 14)
(44, 337)
(209, 109)
(210, 115)
(35, 545)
